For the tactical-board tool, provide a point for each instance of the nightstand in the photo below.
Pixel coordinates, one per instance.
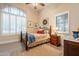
(55, 40)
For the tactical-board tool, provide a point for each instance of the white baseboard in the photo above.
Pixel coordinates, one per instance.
(10, 41)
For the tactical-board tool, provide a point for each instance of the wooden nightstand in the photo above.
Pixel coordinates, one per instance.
(55, 40)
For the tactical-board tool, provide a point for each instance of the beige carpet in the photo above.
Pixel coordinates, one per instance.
(42, 50)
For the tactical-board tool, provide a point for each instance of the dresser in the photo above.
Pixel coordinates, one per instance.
(55, 40)
(71, 48)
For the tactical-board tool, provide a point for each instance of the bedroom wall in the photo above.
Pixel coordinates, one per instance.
(51, 12)
(48, 12)
(31, 15)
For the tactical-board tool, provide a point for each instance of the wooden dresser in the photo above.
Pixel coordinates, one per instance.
(55, 40)
(71, 48)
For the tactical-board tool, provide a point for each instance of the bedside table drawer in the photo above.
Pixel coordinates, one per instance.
(55, 40)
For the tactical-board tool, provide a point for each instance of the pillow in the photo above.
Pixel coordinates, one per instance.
(40, 31)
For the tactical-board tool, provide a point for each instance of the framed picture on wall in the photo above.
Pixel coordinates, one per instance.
(45, 22)
(29, 24)
(36, 25)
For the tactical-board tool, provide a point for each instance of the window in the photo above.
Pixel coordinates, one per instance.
(13, 23)
(62, 23)
(13, 20)
(5, 23)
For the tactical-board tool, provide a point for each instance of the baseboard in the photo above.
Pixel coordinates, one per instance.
(10, 41)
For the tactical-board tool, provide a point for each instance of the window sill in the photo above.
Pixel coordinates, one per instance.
(9, 34)
(62, 32)
(10, 41)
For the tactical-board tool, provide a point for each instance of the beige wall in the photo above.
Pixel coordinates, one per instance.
(73, 9)
(31, 15)
(50, 13)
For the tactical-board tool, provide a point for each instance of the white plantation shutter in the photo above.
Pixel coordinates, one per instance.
(13, 20)
(62, 23)
(5, 23)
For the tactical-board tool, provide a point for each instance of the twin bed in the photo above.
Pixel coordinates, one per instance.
(31, 40)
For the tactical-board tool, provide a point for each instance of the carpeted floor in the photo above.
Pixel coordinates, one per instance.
(42, 50)
(16, 49)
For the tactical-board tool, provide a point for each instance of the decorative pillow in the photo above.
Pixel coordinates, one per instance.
(40, 31)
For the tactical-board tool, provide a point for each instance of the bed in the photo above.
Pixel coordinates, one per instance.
(37, 39)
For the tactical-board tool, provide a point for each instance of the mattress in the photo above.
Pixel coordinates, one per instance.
(39, 39)
(38, 42)
(38, 36)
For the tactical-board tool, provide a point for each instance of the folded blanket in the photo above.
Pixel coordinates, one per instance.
(31, 38)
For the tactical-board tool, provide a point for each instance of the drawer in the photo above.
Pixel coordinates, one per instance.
(71, 48)
(53, 38)
(54, 41)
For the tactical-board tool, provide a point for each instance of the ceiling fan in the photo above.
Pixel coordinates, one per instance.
(35, 5)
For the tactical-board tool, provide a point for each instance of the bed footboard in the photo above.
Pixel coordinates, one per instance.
(24, 41)
(26, 46)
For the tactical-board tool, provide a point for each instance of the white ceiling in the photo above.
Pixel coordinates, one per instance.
(39, 7)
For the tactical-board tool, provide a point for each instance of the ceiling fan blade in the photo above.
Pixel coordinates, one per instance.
(42, 4)
(27, 3)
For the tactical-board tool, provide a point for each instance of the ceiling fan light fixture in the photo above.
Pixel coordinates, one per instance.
(35, 5)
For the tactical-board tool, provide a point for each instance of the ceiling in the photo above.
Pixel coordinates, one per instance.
(39, 7)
